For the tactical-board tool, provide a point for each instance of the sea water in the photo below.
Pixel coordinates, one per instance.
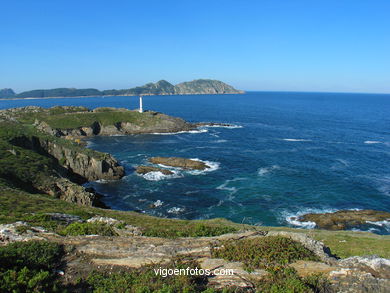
(288, 153)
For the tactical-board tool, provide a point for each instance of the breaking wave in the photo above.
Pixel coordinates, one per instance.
(265, 170)
(180, 132)
(157, 176)
(295, 139)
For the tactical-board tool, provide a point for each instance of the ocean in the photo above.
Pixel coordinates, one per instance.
(288, 153)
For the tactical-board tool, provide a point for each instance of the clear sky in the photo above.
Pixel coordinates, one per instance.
(297, 45)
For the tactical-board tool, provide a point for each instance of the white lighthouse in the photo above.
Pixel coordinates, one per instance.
(140, 104)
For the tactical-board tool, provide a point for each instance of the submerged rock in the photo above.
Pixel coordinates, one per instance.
(345, 219)
(183, 163)
(147, 169)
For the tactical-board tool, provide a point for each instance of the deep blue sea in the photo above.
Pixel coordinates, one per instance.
(290, 153)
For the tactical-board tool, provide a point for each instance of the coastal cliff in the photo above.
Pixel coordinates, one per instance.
(42, 151)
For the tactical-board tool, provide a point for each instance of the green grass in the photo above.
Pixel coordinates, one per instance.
(58, 118)
(76, 228)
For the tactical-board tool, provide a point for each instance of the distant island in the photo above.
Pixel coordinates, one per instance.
(162, 87)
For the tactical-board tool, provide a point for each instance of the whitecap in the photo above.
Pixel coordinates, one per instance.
(292, 218)
(157, 176)
(220, 141)
(158, 203)
(265, 170)
(295, 139)
(232, 190)
(212, 166)
(175, 210)
(230, 126)
(180, 132)
(372, 142)
(384, 224)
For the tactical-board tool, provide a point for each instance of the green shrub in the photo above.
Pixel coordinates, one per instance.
(76, 228)
(264, 252)
(31, 254)
(146, 280)
(286, 280)
(42, 220)
(189, 230)
(29, 266)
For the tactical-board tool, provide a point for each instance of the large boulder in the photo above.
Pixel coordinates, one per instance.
(183, 163)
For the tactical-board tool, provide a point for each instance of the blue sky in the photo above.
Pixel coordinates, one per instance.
(297, 45)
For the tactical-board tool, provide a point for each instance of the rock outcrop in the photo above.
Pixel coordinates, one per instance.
(354, 274)
(183, 163)
(79, 165)
(345, 219)
(147, 169)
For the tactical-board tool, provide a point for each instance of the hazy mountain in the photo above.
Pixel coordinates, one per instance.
(162, 87)
(7, 93)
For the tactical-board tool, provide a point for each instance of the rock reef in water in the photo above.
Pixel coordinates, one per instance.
(147, 169)
(183, 163)
(345, 219)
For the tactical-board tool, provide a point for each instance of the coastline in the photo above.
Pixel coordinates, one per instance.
(109, 96)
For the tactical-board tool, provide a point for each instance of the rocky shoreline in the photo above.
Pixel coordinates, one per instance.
(56, 134)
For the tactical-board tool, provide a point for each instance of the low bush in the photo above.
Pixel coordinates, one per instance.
(264, 252)
(29, 266)
(190, 230)
(77, 228)
(286, 280)
(146, 280)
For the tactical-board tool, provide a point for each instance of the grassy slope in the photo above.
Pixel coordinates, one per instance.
(15, 205)
(59, 118)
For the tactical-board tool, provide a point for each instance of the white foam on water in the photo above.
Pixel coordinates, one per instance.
(158, 203)
(384, 224)
(157, 176)
(230, 126)
(295, 139)
(231, 189)
(212, 167)
(265, 170)
(372, 142)
(180, 132)
(90, 144)
(175, 210)
(292, 218)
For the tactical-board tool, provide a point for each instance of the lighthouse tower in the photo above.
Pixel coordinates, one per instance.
(140, 104)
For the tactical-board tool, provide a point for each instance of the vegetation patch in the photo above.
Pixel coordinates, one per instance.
(286, 280)
(30, 266)
(145, 280)
(269, 253)
(192, 229)
(97, 228)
